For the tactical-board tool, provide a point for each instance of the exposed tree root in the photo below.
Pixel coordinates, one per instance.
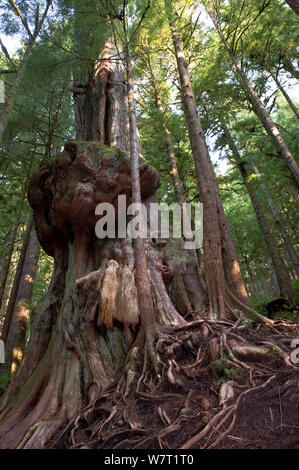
(201, 394)
(97, 372)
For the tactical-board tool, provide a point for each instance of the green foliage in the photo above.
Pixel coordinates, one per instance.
(295, 285)
(222, 372)
(4, 381)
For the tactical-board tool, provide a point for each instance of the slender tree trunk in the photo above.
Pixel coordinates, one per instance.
(287, 97)
(17, 333)
(52, 127)
(288, 66)
(87, 330)
(212, 244)
(250, 274)
(284, 235)
(16, 282)
(260, 109)
(294, 4)
(12, 243)
(145, 301)
(178, 186)
(281, 271)
(10, 98)
(214, 219)
(274, 285)
(6, 259)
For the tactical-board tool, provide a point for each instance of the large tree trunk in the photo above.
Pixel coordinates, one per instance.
(198, 296)
(281, 271)
(100, 99)
(82, 331)
(260, 109)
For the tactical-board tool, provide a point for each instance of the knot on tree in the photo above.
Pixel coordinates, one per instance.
(65, 192)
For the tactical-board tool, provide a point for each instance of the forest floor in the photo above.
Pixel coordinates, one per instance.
(209, 393)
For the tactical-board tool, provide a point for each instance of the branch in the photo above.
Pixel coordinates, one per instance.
(5, 52)
(141, 19)
(263, 7)
(192, 31)
(8, 71)
(41, 22)
(19, 14)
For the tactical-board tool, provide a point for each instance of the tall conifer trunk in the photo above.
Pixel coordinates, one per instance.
(222, 292)
(283, 277)
(6, 260)
(15, 345)
(280, 225)
(259, 108)
(145, 301)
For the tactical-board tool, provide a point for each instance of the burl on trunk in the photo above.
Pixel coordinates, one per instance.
(84, 327)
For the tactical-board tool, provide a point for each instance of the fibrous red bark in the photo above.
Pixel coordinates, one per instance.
(82, 330)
